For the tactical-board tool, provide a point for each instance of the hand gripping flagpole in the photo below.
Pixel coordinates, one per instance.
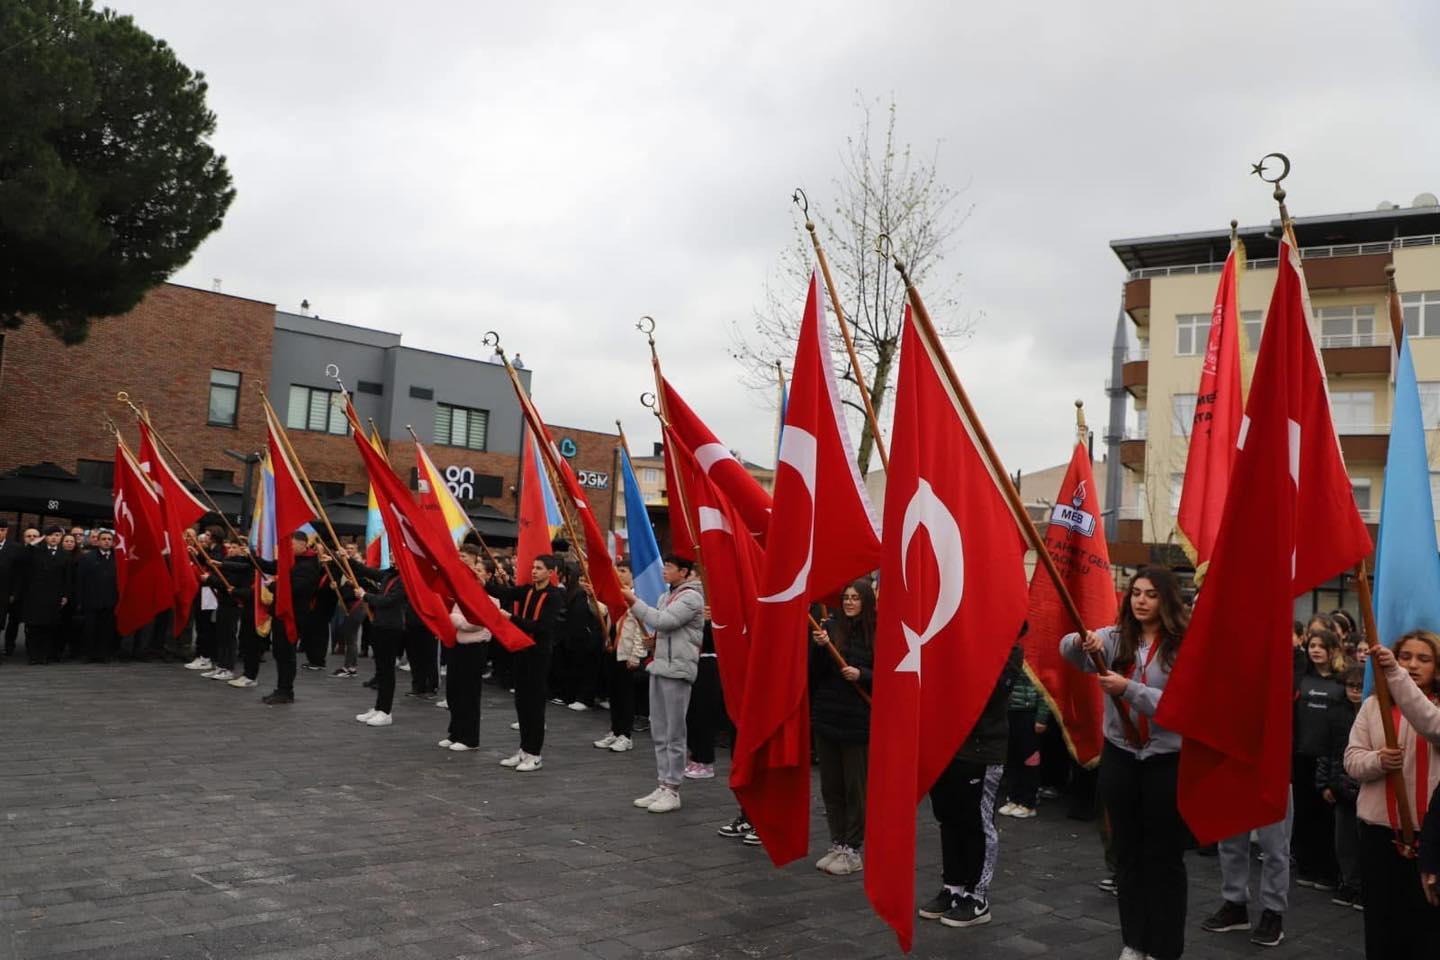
(803, 202)
(1396, 778)
(926, 330)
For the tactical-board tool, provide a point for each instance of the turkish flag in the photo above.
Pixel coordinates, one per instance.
(732, 562)
(180, 511)
(1075, 539)
(952, 602)
(141, 576)
(822, 536)
(534, 523)
(677, 504)
(428, 561)
(717, 462)
(1290, 524)
(293, 510)
(1216, 426)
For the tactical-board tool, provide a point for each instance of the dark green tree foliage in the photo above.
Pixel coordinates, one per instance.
(107, 181)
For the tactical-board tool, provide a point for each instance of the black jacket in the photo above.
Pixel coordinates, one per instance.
(536, 612)
(990, 737)
(95, 590)
(1430, 836)
(388, 603)
(47, 582)
(240, 574)
(12, 570)
(1330, 766)
(1316, 699)
(577, 623)
(837, 712)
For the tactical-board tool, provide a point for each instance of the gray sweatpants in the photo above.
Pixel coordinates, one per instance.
(1274, 843)
(669, 699)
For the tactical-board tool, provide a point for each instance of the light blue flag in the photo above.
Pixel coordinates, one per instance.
(1407, 566)
(645, 561)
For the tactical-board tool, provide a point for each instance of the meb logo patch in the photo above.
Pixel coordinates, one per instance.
(1072, 516)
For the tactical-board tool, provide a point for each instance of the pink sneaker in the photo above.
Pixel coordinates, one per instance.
(700, 771)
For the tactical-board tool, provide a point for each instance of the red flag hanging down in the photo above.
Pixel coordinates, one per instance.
(1290, 524)
(1216, 426)
(718, 463)
(293, 510)
(534, 522)
(822, 536)
(604, 581)
(1075, 539)
(952, 601)
(732, 560)
(678, 503)
(436, 575)
(141, 575)
(180, 511)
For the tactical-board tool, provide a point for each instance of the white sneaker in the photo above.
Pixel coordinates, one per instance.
(222, 674)
(515, 725)
(645, 802)
(445, 744)
(1007, 810)
(459, 747)
(1021, 812)
(514, 759)
(244, 683)
(365, 717)
(379, 720)
(209, 674)
(834, 851)
(530, 763)
(405, 667)
(622, 744)
(846, 862)
(443, 704)
(606, 742)
(578, 707)
(1130, 953)
(669, 800)
(200, 663)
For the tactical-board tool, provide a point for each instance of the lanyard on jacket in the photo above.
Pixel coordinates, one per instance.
(1142, 723)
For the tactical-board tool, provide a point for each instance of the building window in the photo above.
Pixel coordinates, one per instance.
(224, 398)
(1346, 326)
(1177, 483)
(422, 393)
(649, 475)
(370, 387)
(1422, 313)
(211, 475)
(460, 426)
(1430, 403)
(1360, 487)
(328, 489)
(1253, 321)
(1353, 411)
(97, 473)
(1182, 414)
(1435, 492)
(1192, 334)
(314, 409)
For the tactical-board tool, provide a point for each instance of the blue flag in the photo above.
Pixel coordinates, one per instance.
(645, 561)
(1407, 567)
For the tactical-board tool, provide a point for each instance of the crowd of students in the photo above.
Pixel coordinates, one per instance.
(1342, 835)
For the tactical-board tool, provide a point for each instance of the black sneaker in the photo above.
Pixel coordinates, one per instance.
(1270, 931)
(278, 697)
(1347, 897)
(735, 829)
(1109, 886)
(1230, 916)
(969, 911)
(314, 666)
(341, 673)
(939, 905)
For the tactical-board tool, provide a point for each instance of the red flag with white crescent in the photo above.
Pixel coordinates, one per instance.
(952, 602)
(141, 576)
(180, 511)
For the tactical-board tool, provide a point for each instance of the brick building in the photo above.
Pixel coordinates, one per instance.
(198, 360)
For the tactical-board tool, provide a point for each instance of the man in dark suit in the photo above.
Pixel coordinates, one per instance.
(47, 582)
(11, 552)
(96, 596)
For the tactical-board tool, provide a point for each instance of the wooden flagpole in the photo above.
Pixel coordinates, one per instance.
(926, 330)
(1396, 779)
(804, 202)
(646, 325)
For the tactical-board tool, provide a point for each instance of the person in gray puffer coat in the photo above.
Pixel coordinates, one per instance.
(678, 623)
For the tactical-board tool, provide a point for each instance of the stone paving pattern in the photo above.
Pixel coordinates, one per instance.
(148, 813)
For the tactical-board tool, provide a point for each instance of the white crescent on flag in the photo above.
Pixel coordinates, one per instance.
(798, 449)
(927, 510)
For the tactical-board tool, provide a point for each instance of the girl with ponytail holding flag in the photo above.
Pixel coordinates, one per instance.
(1140, 764)
(1399, 923)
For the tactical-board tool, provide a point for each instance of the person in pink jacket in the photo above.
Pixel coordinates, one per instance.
(466, 663)
(1399, 923)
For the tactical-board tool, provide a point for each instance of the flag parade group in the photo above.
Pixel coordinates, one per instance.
(904, 649)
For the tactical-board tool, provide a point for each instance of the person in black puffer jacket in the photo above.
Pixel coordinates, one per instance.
(840, 719)
(1318, 695)
(1340, 790)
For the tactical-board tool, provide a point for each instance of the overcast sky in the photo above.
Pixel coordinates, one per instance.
(555, 170)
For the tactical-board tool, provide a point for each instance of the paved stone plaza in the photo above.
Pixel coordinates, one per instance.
(148, 813)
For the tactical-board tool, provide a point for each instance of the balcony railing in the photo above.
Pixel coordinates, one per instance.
(1306, 253)
(1134, 354)
(1362, 429)
(1340, 341)
(1134, 433)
